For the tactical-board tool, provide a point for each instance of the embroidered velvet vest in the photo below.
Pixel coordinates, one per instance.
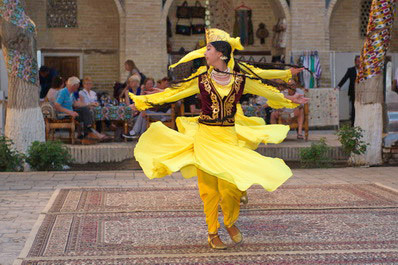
(218, 110)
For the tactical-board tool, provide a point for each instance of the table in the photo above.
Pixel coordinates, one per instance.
(114, 113)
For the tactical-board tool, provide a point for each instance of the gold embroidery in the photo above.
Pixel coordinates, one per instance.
(215, 106)
(229, 104)
(222, 108)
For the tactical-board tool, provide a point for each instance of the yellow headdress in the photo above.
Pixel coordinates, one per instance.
(213, 35)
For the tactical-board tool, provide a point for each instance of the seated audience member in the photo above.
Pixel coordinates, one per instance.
(66, 103)
(262, 103)
(132, 69)
(56, 85)
(163, 83)
(148, 87)
(157, 113)
(86, 95)
(293, 113)
(133, 86)
(192, 104)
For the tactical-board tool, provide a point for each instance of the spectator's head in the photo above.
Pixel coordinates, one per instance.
(44, 71)
(357, 61)
(164, 83)
(57, 82)
(129, 65)
(134, 81)
(291, 91)
(87, 83)
(149, 83)
(73, 84)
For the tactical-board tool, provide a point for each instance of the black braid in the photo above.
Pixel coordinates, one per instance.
(252, 75)
(276, 65)
(174, 84)
(280, 86)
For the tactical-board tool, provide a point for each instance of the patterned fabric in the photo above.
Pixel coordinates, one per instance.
(323, 107)
(253, 111)
(19, 64)
(378, 38)
(164, 226)
(13, 12)
(221, 14)
(112, 113)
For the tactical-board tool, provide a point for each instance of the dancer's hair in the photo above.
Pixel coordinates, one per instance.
(239, 70)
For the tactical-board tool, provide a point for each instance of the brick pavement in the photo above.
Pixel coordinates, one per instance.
(24, 195)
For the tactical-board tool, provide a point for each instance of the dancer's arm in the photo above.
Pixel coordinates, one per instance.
(284, 75)
(275, 98)
(184, 90)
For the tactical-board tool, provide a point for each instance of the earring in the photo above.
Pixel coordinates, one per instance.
(223, 57)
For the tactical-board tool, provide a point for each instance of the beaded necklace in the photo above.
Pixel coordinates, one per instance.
(221, 78)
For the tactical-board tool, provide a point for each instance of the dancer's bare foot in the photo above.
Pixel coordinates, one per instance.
(215, 242)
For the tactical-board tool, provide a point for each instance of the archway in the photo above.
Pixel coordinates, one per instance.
(279, 9)
(280, 5)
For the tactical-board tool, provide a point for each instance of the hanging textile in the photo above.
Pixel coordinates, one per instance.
(310, 60)
(221, 15)
(378, 38)
(21, 64)
(243, 27)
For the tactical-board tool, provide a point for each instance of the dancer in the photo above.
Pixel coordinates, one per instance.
(216, 146)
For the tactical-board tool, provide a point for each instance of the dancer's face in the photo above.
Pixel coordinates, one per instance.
(212, 55)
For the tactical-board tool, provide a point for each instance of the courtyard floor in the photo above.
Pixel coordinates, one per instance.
(24, 195)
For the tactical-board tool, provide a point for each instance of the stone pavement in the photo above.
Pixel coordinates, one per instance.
(24, 195)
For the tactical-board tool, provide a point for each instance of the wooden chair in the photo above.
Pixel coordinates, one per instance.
(171, 122)
(52, 122)
(293, 123)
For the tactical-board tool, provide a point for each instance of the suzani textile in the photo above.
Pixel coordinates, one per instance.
(19, 64)
(13, 12)
(378, 38)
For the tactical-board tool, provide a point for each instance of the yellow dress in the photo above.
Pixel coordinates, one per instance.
(224, 152)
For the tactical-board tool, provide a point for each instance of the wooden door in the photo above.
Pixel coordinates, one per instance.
(66, 66)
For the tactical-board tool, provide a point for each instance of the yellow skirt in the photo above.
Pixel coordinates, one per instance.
(224, 152)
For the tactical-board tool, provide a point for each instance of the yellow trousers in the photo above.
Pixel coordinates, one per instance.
(213, 192)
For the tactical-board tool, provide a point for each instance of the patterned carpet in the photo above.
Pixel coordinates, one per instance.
(322, 224)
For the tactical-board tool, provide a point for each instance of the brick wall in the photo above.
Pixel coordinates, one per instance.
(345, 28)
(308, 27)
(98, 29)
(146, 37)
(141, 36)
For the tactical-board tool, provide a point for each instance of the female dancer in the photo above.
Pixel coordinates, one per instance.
(216, 146)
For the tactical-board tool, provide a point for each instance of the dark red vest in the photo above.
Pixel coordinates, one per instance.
(217, 110)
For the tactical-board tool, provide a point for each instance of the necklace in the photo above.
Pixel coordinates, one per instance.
(221, 78)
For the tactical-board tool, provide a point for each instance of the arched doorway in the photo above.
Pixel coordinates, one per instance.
(266, 11)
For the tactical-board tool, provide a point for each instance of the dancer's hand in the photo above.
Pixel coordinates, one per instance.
(295, 71)
(299, 99)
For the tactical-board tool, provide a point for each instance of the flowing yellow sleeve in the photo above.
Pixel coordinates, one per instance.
(284, 75)
(184, 90)
(276, 99)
